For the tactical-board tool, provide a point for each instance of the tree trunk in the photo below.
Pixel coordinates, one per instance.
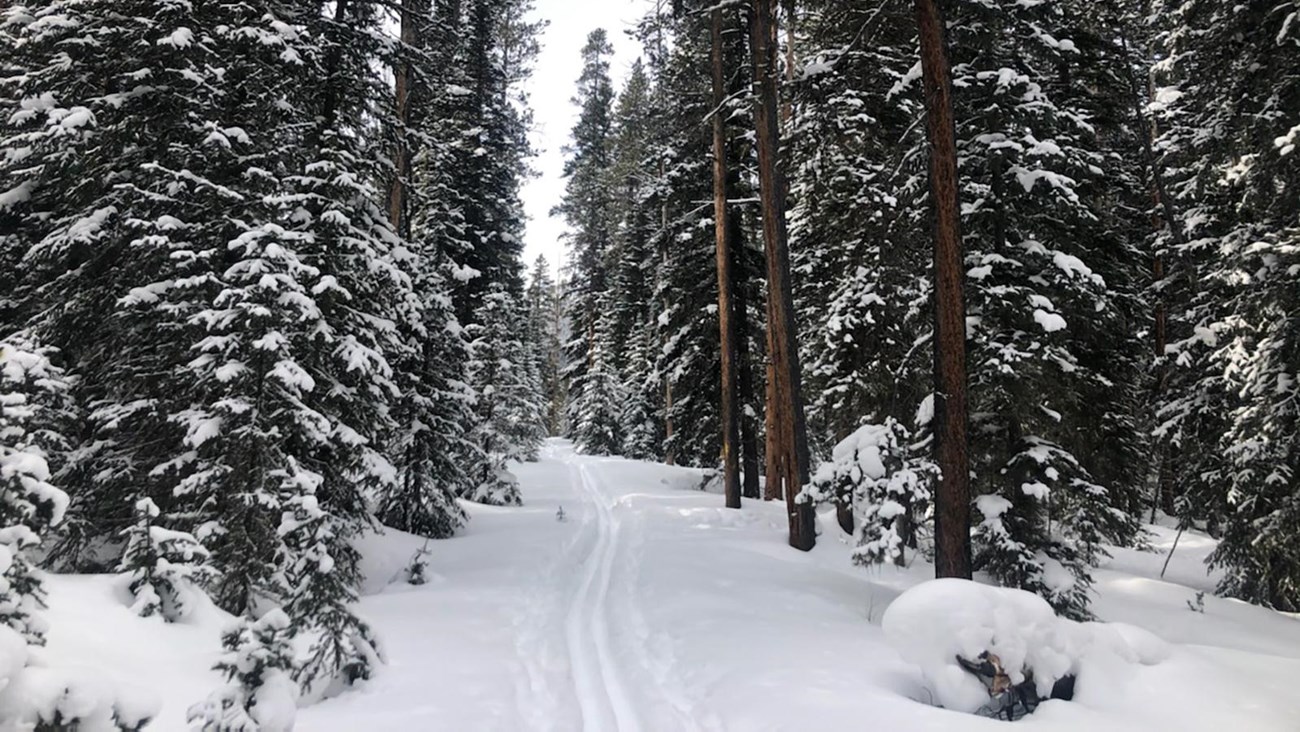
(403, 74)
(952, 502)
(669, 457)
(723, 233)
(790, 439)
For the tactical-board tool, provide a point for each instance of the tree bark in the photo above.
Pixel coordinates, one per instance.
(790, 439)
(404, 80)
(952, 504)
(722, 233)
(669, 457)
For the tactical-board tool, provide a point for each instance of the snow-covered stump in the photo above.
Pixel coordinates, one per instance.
(950, 627)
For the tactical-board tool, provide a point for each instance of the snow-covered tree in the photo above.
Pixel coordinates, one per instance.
(886, 480)
(320, 581)
(29, 503)
(165, 569)
(594, 416)
(1229, 98)
(508, 405)
(260, 694)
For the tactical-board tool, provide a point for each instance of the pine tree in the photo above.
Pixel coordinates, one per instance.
(259, 695)
(507, 402)
(29, 503)
(1034, 164)
(586, 209)
(544, 312)
(320, 576)
(887, 480)
(165, 569)
(1231, 88)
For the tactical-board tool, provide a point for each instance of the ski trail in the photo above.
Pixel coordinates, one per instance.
(602, 695)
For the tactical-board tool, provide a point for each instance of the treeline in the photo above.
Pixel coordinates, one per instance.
(1129, 219)
(260, 292)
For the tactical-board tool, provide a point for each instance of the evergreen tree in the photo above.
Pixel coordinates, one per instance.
(259, 695)
(586, 207)
(507, 404)
(320, 575)
(544, 313)
(1230, 94)
(29, 503)
(165, 568)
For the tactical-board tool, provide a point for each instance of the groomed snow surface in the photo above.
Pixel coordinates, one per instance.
(651, 607)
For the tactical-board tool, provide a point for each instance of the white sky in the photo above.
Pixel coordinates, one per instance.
(551, 90)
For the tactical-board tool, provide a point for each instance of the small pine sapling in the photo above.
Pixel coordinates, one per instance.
(321, 576)
(876, 472)
(260, 694)
(166, 568)
(417, 571)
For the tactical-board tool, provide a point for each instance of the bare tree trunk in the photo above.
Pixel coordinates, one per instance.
(749, 469)
(952, 504)
(723, 232)
(791, 435)
(403, 75)
(1164, 212)
(669, 457)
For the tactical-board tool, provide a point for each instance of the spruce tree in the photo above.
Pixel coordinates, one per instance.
(586, 208)
(165, 569)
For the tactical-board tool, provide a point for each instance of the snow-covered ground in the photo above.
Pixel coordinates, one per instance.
(651, 607)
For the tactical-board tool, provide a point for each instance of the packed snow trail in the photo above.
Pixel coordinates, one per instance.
(606, 704)
(652, 607)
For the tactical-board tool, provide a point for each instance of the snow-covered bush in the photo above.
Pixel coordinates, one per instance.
(320, 581)
(934, 623)
(887, 482)
(1046, 527)
(33, 696)
(42, 699)
(165, 568)
(29, 503)
(260, 694)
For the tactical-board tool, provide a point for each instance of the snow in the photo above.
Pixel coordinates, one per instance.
(1050, 322)
(652, 607)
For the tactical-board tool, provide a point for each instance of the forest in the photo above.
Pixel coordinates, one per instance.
(1000, 287)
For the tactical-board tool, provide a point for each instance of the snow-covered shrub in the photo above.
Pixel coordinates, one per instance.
(320, 581)
(934, 623)
(33, 696)
(165, 567)
(1047, 526)
(260, 694)
(29, 503)
(877, 472)
(496, 485)
(43, 699)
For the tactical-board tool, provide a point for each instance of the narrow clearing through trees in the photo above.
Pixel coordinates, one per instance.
(597, 677)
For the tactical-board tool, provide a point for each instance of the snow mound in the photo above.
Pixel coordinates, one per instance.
(933, 623)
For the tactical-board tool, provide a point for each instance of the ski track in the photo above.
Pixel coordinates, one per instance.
(602, 694)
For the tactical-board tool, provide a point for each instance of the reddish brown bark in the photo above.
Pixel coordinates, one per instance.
(789, 438)
(952, 502)
(723, 235)
(403, 76)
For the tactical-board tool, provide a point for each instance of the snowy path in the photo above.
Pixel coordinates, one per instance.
(605, 702)
(653, 608)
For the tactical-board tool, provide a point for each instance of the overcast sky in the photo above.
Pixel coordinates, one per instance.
(551, 90)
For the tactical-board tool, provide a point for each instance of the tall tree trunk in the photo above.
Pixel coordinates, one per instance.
(1163, 213)
(403, 82)
(723, 234)
(669, 457)
(745, 372)
(791, 434)
(952, 504)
